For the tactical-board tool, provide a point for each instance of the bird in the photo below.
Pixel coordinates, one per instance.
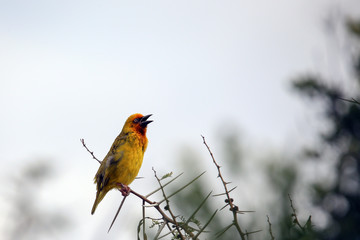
(123, 161)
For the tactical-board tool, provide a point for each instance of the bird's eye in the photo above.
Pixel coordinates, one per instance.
(136, 120)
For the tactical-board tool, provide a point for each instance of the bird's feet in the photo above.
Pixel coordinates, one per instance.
(124, 189)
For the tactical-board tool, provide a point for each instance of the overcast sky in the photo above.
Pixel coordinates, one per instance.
(78, 69)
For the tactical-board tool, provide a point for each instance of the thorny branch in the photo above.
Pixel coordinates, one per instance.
(152, 203)
(167, 220)
(233, 208)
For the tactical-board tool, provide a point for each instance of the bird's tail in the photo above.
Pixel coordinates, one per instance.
(99, 196)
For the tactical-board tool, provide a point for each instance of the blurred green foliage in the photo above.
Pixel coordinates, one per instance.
(341, 200)
(341, 140)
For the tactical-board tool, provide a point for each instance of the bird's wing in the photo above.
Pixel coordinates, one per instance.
(119, 141)
(108, 167)
(110, 161)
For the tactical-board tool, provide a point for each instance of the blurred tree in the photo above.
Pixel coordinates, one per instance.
(28, 219)
(341, 200)
(285, 222)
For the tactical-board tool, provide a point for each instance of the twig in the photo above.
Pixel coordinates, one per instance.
(143, 213)
(155, 205)
(296, 221)
(270, 230)
(92, 153)
(347, 100)
(233, 208)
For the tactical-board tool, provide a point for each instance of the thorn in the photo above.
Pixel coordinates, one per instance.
(117, 213)
(224, 207)
(217, 195)
(232, 189)
(248, 233)
(242, 212)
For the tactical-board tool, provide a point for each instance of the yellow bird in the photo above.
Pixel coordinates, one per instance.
(123, 161)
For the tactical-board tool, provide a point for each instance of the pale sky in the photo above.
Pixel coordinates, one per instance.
(78, 69)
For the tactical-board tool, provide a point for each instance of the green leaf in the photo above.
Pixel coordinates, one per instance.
(166, 175)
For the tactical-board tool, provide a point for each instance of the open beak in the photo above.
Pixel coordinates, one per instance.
(144, 122)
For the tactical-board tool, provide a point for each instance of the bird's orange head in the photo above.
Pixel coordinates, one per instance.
(138, 123)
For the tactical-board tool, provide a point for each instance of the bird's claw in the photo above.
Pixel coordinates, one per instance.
(124, 189)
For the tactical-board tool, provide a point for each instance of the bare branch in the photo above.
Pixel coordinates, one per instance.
(92, 153)
(270, 230)
(143, 215)
(348, 100)
(295, 221)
